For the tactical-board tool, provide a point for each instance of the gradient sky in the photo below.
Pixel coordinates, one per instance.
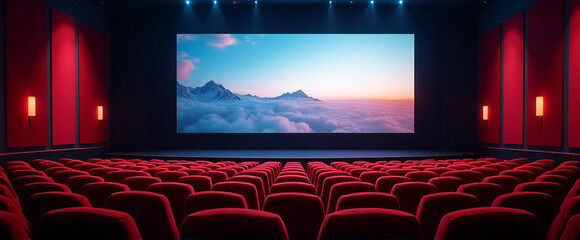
(325, 66)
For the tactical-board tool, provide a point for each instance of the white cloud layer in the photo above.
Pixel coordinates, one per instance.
(281, 116)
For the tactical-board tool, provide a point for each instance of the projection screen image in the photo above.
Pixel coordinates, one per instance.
(295, 83)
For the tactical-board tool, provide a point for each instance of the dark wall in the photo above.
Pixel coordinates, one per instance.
(143, 58)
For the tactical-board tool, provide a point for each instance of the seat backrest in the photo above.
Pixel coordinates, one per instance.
(261, 174)
(372, 176)
(176, 193)
(434, 206)
(569, 208)
(216, 176)
(245, 189)
(231, 223)
(370, 223)
(140, 183)
(256, 181)
(367, 200)
(299, 187)
(446, 184)
(385, 184)
(40, 203)
(63, 176)
(76, 183)
(292, 178)
(302, 213)
(11, 227)
(508, 183)
(572, 230)
(38, 187)
(170, 176)
(329, 182)
(540, 204)
(410, 194)
(422, 176)
(213, 199)
(551, 188)
(7, 204)
(198, 182)
(344, 188)
(151, 212)
(468, 176)
(120, 175)
(19, 182)
(98, 192)
(485, 192)
(489, 223)
(320, 178)
(563, 181)
(522, 175)
(87, 223)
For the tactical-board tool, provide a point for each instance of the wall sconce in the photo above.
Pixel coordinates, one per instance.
(31, 111)
(100, 113)
(540, 109)
(485, 113)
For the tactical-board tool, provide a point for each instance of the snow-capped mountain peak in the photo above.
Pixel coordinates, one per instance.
(211, 91)
(298, 95)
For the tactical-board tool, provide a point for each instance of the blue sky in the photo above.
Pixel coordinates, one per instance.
(325, 66)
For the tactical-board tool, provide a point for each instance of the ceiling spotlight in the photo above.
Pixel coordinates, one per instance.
(187, 2)
(372, 2)
(330, 2)
(235, 2)
(256, 2)
(400, 1)
(214, 2)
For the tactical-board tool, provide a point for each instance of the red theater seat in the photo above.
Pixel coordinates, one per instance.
(256, 181)
(367, 200)
(199, 183)
(372, 176)
(34, 188)
(329, 182)
(261, 174)
(563, 181)
(140, 183)
(176, 193)
(170, 176)
(550, 188)
(247, 190)
(385, 184)
(522, 175)
(11, 227)
(63, 176)
(101, 172)
(569, 208)
(485, 192)
(434, 206)
(298, 187)
(216, 177)
(87, 223)
(572, 230)
(151, 212)
(231, 223)
(446, 184)
(19, 182)
(344, 188)
(507, 183)
(410, 194)
(292, 178)
(302, 213)
(423, 176)
(40, 203)
(370, 223)
(98, 192)
(76, 183)
(540, 204)
(487, 172)
(121, 175)
(7, 204)
(468, 176)
(213, 199)
(489, 223)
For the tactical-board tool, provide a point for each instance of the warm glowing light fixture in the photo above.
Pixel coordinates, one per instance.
(485, 113)
(100, 113)
(31, 106)
(187, 2)
(539, 106)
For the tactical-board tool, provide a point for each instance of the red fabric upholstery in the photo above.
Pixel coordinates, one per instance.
(367, 200)
(370, 223)
(468, 176)
(508, 183)
(213, 199)
(385, 184)
(231, 223)
(40, 203)
(299, 187)
(170, 176)
(245, 189)
(446, 184)
(434, 206)
(11, 227)
(485, 192)
(569, 208)
(87, 223)
(302, 222)
(140, 183)
(540, 204)
(98, 192)
(151, 212)
(76, 183)
(572, 230)
(344, 188)
(199, 183)
(410, 194)
(176, 193)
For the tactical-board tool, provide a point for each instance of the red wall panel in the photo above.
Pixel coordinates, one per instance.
(63, 79)
(92, 84)
(26, 72)
(574, 76)
(545, 72)
(490, 83)
(513, 80)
